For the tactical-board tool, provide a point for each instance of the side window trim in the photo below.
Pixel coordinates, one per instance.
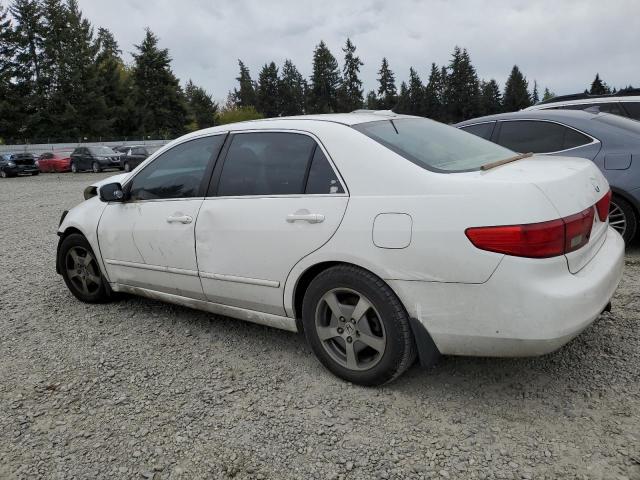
(212, 191)
(205, 178)
(498, 128)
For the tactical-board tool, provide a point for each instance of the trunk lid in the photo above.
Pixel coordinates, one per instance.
(571, 185)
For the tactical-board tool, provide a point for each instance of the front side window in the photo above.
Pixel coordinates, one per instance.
(433, 145)
(178, 172)
(266, 163)
(539, 137)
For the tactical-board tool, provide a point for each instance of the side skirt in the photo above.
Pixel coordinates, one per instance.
(268, 319)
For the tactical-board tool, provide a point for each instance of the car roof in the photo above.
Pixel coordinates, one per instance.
(584, 101)
(568, 116)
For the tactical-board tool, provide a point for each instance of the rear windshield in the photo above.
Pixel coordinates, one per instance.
(433, 145)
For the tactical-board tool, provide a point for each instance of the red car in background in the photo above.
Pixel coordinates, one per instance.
(55, 162)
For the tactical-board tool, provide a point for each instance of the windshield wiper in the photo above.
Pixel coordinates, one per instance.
(506, 160)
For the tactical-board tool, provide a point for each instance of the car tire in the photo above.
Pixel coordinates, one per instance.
(127, 167)
(35, 173)
(4, 174)
(623, 218)
(74, 167)
(80, 270)
(373, 349)
(95, 166)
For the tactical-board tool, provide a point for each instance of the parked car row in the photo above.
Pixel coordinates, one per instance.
(92, 158)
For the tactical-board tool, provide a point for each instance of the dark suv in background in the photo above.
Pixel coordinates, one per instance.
(134, 155)
(94, 158)
(12, 164)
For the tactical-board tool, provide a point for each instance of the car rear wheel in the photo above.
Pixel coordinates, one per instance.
(3, 174)
(623, 218)
(357, 326)
(80, 270)
(95, 166)
(74, 167)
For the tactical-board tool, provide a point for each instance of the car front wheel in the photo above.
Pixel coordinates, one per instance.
(95, 166)
(623, 218)
(357, 326)
(127, 167)
(74, 167)
(80, 270)
(3, 174)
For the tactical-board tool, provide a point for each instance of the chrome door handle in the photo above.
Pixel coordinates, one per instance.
(305, 217)
(180, 219)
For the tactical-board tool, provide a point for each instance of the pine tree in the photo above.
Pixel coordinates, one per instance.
(548, 95)
(416, 94)
(267, 99)
(158, 97)
(350, 95)
(246, 95)
(371, 102)
(202, 110)
(387, 92)
(490, 98)
(403, 103)
(325, 81)
(434, 94)
(598, 87)
(292, 90)
(535, 97)
(462, 88)
(10, 101)
(516, 92)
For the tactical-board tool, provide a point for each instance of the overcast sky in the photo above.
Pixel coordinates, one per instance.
(559, 43)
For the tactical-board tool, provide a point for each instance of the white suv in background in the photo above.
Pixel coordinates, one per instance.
(623, 105)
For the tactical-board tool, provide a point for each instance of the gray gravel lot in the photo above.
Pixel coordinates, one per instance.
(141, 389)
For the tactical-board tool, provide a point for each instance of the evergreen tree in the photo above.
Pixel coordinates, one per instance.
(246, 95)
(490, 98)
(325, 81)
(267, 100)
(387, 92)
(416, 93)
(598, 87)
(371, 102)
(516, 92)
(201, 108)
(10, 101)
(158, 97)
(535, 97)
(462, 88)
(292, 90)
(548, 95)
(403, 103)
(350, 95)
(434, 94)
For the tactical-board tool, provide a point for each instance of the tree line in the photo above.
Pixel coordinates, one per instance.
(62, 80)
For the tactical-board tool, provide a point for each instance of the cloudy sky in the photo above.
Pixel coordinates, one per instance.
(559, 43)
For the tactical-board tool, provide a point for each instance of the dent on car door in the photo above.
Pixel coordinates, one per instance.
(275, 198)
(148, 240)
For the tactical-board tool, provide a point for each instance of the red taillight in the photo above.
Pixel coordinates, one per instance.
(536, 240)
(603, 206)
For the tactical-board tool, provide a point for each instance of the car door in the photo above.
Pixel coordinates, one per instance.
(545, 137)
(147, 241)
(274, 199)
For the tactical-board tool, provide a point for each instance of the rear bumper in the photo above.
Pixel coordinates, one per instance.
(528, 307)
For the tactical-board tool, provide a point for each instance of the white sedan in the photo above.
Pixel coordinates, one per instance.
(383, 237)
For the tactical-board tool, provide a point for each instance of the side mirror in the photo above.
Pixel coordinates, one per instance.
(111, 192)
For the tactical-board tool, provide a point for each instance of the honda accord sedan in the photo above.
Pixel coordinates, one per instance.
(382, 237)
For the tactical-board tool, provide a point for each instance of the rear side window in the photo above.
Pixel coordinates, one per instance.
(178, 172)
(322, 179)
(269, 163)
(482, 130)
(539, 137)
(633, 109)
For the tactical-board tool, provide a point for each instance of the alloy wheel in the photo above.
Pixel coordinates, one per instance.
(96, 167)
(3, 174)
(74, 168)
(350, 329)
(82, 270)
(617, 218)
(127, 167)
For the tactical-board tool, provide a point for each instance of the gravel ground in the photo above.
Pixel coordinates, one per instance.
(141, 389)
